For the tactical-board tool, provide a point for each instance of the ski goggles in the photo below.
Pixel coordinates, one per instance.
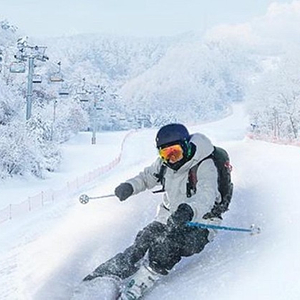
(172, 154)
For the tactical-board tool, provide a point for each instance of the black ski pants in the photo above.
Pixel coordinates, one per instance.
(166, 246)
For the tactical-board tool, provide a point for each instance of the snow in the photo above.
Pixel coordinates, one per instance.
(46, 252)
(79, 157)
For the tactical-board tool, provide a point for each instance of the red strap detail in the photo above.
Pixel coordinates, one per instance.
(228, 166)
(193, 178)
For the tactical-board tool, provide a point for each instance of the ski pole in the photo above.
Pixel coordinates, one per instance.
(253, 229)
(84, 199)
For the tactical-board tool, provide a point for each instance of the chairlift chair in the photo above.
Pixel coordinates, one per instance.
(83, 95)
(64, 90)
(84, 98)
(56, 78)
(37, 78)
(17, 67)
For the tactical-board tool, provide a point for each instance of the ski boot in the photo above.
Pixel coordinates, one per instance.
(142, 281)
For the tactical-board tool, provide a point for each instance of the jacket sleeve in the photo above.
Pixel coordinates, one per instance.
(207, 190)
(146, 179)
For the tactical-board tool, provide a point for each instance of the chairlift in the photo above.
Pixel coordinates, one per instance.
(84, 98)
(64, 91)
(36, 78)
(17, 67)
(83, 95)
(57, 76)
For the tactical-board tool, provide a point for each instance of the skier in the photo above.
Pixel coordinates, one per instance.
(161, 244)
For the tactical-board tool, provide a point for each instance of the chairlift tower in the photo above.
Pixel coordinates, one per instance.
(1, 59)
(29, 53)
(99, 92)
(94, 122)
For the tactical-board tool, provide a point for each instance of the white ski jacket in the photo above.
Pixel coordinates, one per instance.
(175, 183)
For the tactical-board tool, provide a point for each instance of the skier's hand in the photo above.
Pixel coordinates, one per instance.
(212, 216)
(181, 216)
(123, 191)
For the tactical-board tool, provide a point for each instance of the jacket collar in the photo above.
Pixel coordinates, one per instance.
(204, 148)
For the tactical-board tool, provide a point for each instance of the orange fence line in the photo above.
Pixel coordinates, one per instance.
(49, 196)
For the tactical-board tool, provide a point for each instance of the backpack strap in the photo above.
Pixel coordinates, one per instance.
(191, 185)
(161, 178)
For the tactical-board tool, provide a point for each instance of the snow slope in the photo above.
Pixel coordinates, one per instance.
(45, 253)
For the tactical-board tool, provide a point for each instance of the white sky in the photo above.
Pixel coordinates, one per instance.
(39, 18)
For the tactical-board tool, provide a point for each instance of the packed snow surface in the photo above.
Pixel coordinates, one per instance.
(45, 253)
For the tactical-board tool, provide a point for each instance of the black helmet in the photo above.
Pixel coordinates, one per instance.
(171, 134)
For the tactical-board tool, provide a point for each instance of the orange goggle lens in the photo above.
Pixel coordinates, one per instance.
(171, 154)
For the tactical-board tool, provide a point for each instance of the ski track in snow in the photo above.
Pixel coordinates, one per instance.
(46, 253)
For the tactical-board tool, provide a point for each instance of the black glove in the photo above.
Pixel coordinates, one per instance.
(211, 215)
(183, 214)
(216, 212)
(123, 191)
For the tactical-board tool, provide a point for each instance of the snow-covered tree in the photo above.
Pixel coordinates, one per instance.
(274, 100)
(194, 81)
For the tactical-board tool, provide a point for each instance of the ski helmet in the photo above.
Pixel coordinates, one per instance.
(171, 134)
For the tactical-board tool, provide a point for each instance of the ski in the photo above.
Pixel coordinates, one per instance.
(105, 288)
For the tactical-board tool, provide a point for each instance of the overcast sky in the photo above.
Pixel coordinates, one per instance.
(39, 18)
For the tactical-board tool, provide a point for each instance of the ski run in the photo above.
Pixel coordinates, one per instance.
(46, 252)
